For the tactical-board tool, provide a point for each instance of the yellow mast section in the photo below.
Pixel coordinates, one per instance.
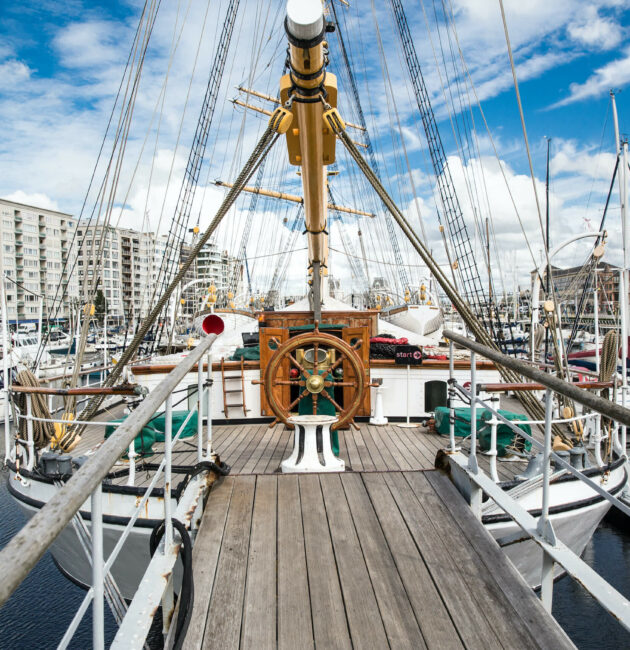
(310, 91)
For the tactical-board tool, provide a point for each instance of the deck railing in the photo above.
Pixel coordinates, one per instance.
(541, 531)
(23, 552)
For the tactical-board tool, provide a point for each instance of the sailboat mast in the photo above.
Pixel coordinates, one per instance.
(488, 258)
(547, 242)
(308, 141)
(622, 151)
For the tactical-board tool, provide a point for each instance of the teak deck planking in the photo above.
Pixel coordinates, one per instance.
(355, 560)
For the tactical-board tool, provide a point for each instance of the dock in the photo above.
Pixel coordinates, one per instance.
(386, 555)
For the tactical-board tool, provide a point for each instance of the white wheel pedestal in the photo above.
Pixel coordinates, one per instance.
(309, 431)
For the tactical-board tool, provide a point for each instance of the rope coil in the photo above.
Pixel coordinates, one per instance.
(42, 431)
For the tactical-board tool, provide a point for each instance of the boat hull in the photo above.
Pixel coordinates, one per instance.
(66, 550)
(575, 513)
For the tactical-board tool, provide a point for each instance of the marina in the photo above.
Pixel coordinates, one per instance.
(227, 441)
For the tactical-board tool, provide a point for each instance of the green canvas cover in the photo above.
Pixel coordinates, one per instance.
(153, 431)
(505, 435)
(322, 326)
(324, 407)
(248, 354)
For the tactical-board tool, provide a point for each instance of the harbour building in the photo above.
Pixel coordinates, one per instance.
(37, 261)
(124, 264)
(569, 285)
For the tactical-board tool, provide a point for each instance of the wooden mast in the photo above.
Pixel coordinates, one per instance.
(310, 143)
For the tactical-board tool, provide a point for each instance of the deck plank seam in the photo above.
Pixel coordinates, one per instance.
(308, 579)
(369, 573)
(518, 579)
(427, 564)
(389, 550)
(485, 578)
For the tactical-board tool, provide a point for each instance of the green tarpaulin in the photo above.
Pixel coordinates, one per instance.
(249, 354)
(505, 435)
(324, 407)
(153, 431)
(322, 326)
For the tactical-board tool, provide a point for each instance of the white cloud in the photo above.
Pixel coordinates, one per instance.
(612, 75)
(90, 44)
(38, 200)
(569, 159)
(595, 31)
(13, 73)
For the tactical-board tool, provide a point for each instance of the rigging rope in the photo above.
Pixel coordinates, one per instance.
(58, 301)
(261, 150)
(529, 402)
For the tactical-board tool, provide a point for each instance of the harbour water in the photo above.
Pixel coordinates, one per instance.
(40, 610)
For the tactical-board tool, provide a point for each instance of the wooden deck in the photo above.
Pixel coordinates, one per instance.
(257, 449)
(387, 555)
(356, 560)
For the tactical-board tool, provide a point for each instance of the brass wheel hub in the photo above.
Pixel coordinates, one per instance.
(315, 384)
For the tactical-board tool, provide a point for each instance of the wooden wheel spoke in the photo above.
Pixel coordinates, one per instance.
(288, 382)
(301, 368)
(340, 383)
(315, 359)
(315, 398)
(327, 395)
(337, 363)
(301, 396)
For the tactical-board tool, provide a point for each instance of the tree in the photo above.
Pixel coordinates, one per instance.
(100, 306)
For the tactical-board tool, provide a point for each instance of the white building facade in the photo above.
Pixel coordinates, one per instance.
(38, 262)
(123, 259)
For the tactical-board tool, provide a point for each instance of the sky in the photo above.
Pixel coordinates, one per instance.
(62, 62)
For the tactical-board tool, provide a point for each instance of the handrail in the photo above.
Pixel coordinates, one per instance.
(505, 388)
(25, 549)
(83, 390)
(599, 404)
(472, 482)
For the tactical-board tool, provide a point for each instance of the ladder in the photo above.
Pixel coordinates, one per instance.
(225, 379)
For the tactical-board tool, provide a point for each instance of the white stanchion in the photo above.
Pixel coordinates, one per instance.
(378, 418)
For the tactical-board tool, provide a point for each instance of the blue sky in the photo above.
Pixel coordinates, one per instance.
(61, 63)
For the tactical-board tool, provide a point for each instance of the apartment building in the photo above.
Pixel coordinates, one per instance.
(125, 264)
(219, 268)
(38, 261)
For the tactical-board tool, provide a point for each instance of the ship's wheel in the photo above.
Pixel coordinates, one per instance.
(314, 379)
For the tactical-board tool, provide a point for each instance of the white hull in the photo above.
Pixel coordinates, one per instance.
(67, 551)
(574, 526)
